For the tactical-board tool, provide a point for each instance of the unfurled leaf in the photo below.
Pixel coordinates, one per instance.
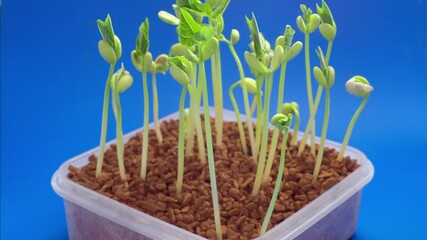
(187, 28)
(142, 40)
(206, 33)
(201, 7)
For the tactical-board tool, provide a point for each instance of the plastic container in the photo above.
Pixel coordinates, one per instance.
(90, 215)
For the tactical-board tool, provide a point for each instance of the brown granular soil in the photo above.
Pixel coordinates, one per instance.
(241, 214)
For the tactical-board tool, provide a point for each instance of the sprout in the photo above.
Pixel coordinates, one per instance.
(292, 108)
(110, 49)
(285, 43)
(327, 28)
(178, 69)
(282, 123)
(142, 60)
(251, 88)
(326, 78)
(121, 81)
(307, 23)
(359, 87)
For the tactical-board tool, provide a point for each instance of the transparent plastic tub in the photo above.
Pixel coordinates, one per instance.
(90, 215)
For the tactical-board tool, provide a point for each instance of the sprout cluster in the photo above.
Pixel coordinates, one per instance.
(200, 27)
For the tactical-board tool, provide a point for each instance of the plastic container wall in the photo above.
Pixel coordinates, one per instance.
(90, 215)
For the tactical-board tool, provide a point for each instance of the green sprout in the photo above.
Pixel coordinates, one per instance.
(325, 76)
(359, 87)
(291, 52)
(292, 108)
(328, 30)
(110, 49)
(121, 81)
(180, 70)
(258, 64)
(281, 122)
(234, 38)
(308, 23)
(142, 60)
(159, 65)
(250, 85)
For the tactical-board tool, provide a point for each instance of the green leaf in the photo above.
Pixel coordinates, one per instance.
(201, 7)
(182, 3)
(206, 33)
(289, 34)
(106, 30)
(325, 14)
(255, 35)
(220, 8)
(142, 40)
(187, 28)
(179, 61)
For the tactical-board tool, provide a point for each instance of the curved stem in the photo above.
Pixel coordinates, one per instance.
(249, 125)
(180, 171)
(295, 132)
(119, 134)
(156, 110)
(323, 137)
(103, 139)
(264, 137)
(310, 121)
(211, 161)
(274, 139)
(145, 130)
(350, 128)
(239, 121)
(277, 186)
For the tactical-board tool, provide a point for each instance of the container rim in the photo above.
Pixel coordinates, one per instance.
(294, 225)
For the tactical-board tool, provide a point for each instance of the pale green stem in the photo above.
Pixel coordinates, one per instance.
(100, 160)
(277, 186)
(119, 134)
(211, 161)
(253, 106)
(239, 121)
(249, 125)
(217, 87)
(193, 112)
(295, 132)
(310, 121)
(323, 137)
(199, 131)
(350, 128)
(274, 139)
(145, 130)
(314, 110)
(180, 171)
(156, 110)
(259, 114)
(309, 89)
(264, 136)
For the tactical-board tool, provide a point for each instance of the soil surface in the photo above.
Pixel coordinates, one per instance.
(241, 214)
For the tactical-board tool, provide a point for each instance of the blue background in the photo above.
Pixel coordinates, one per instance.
(52, 82)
